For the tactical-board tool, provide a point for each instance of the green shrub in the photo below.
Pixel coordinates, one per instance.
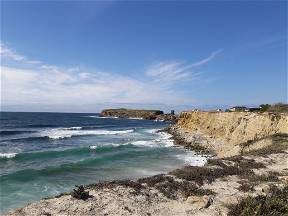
(80, 193)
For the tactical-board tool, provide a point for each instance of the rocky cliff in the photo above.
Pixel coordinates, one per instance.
(230, 133)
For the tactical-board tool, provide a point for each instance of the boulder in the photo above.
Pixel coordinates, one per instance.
(199, 201)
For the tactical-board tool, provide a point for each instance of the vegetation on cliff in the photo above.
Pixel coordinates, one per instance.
(137, 113)
(279, 108)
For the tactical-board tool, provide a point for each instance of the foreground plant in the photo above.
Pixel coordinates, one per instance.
(275, 203)
(80, 193)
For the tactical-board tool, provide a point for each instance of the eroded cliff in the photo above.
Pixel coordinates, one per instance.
(230, 133)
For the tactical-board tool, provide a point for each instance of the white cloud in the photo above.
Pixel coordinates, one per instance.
(7, 52)
(44, 84)
(169, 72)
(22, 86)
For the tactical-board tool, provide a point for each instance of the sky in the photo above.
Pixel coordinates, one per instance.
(82, 56)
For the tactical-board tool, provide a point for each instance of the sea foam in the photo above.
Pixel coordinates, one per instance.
(163, 140)
(7, 155)
(73, 128)
(61, 133)
(192, 159)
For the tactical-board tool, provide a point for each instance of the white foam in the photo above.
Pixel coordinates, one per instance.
(136, 118)
(7, 155)
(73, 128)
(61, 133)
(192, 159)
(153, 131)
(149, 143)
(166, 138)
(163, 140)
(111, 144)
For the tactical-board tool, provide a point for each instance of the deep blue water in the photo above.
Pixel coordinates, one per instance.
(44, 154)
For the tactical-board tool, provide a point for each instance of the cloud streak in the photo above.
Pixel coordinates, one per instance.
(169, 72)
(8, 53)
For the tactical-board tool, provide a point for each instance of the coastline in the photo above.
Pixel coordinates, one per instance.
(190, 190)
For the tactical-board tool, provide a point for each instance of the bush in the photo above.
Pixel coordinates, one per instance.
(170, 188)
(279, 107)
(80, 193)
(264, 107)
(273, 204)
(246, 186)
(236, 165)
(202, 174)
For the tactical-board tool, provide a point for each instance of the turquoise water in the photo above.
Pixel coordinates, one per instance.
(44, 154)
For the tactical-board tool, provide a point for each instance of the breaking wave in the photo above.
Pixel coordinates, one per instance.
(68, 133)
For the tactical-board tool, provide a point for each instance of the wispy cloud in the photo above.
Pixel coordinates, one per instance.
(45, 84)
(7, 52)
(168, 72)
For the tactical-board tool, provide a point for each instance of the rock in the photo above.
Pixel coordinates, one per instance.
(199, 202)
(262, 189)
(284, 179)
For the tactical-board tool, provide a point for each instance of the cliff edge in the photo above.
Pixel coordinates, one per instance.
(230, 133)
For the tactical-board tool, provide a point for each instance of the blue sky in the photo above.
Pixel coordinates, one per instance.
(81, 56)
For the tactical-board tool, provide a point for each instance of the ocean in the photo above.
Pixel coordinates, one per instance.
(44, 154)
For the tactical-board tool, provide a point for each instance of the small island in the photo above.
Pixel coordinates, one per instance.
(157, 115)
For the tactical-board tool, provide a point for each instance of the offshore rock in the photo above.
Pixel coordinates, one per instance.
(157, 115)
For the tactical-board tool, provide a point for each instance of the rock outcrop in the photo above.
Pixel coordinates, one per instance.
(131, 113)
(227, 133)
(141, 114)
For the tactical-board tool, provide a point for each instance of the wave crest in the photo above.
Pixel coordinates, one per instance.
(7, 155)
(64, 133)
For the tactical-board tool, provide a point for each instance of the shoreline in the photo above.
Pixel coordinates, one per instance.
(190, 190)
(213, 189)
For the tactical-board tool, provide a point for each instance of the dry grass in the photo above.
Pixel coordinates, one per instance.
(237, 165)
(246, 186)
(273, 204)
(172, 188)
(205, 174)
(136, 186)
(279, 145)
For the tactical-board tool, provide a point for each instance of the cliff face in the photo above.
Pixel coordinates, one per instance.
(230, 133)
